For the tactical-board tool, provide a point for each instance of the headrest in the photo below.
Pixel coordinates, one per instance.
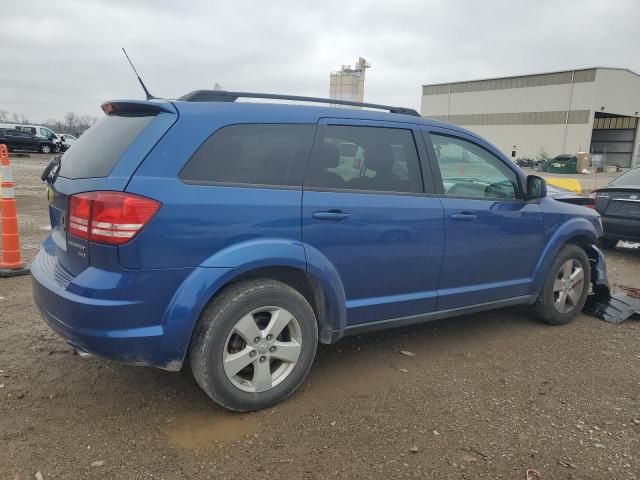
(329, 156)
(380, 159)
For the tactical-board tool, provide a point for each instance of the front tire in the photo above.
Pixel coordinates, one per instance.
(254, 345)
(45, 148)
(566, 288)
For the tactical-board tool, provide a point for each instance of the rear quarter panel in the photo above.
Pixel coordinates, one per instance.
(198, 221)
(222, 231)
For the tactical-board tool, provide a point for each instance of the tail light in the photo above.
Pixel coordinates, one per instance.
(111, 218)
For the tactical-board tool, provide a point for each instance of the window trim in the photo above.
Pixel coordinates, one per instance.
(324, 123)
(368, 192)
(213, 183)
(270, 186)
(427, 132)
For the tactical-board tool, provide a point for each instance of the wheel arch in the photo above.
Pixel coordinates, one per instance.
(281, 260)
(581, 240)
(577, 231)
(308, 285)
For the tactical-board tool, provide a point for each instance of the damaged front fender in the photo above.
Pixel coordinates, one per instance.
(599, 277)
(602, 303)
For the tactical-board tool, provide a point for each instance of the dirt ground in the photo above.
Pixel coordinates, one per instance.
(485, 396)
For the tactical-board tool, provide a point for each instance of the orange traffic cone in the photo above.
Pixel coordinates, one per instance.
(11, 263)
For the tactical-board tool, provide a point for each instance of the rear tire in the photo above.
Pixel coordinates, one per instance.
(234, 357)
(608, 243)
(566, 287)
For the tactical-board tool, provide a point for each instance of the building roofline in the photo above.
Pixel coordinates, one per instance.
(530, 75)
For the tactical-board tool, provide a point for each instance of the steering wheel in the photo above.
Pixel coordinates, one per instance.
(499, 189)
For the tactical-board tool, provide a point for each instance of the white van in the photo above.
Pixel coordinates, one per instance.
(38, 131)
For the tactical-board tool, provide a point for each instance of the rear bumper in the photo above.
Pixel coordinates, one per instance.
(621, 228)
(118, 315)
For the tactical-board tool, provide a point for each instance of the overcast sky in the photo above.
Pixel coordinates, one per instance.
(61, 56)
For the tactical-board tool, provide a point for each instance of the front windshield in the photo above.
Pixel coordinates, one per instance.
(628, 179)
(46, 133)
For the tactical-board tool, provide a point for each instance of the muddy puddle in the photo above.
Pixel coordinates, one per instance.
(200, 429)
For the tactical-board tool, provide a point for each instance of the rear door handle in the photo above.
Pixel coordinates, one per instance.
(335, 215)
(463, 217)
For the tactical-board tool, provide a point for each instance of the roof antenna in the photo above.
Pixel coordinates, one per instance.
(149, 96)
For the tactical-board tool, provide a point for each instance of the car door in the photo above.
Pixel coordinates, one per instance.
(366, 214)
(17, 140)
(4, 139)
(492, 235)
(26, 141)
(8, 140)
(31, 142)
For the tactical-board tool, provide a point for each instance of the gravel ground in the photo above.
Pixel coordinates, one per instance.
(484, 396)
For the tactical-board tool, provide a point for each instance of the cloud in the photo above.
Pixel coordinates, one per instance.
(64, 56)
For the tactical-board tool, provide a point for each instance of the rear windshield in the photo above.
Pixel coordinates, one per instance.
(98, 150)
(629, 179)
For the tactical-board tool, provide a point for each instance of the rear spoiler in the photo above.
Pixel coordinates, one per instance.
(136, 108)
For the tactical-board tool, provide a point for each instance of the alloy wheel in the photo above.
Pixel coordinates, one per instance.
(262, 349)
(568, 286)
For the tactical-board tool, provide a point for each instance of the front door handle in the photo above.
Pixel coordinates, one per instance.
(463, 217)
(335, 215)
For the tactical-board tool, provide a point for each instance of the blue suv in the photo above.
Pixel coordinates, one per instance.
(235, 236)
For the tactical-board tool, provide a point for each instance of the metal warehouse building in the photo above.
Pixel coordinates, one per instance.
(594, 109)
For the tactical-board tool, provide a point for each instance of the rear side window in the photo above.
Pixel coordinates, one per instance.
(365, 158)
(255, 154)
(98, 149)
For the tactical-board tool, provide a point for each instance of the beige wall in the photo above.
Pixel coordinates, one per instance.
(529, 139)
(434, 105)
(616, 90)
(534, 99)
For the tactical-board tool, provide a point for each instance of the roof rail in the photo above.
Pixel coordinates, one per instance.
(223, 96)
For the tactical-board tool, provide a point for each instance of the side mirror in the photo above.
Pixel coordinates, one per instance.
(536, 187)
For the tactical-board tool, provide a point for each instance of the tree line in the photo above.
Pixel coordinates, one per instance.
(71, 123)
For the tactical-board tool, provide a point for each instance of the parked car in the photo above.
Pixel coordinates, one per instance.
(569, 196)
(619, 205)
(180, 232)
(39, 131)
(67, 140)
(21, 140)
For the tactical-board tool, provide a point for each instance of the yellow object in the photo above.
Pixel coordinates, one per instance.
(566, 183)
